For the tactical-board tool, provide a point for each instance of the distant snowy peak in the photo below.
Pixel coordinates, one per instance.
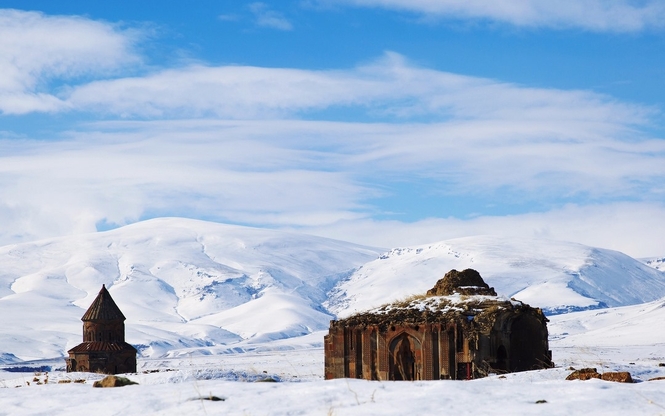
(556, 276)
(657, 263)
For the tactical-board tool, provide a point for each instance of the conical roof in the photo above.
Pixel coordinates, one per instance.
(103, 308)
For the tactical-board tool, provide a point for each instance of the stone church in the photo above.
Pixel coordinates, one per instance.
(103, 349)
(459, 330)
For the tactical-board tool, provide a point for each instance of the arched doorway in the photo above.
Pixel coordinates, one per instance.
(404, 358)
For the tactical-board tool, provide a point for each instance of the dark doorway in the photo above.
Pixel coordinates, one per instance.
(402, 361)
(501, 360)
(527, 351)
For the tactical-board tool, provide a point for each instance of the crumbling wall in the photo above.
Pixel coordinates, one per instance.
(399, 352)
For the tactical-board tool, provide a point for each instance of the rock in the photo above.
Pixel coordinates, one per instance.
(211, 398)
(583, 374)
(113, 381)
(618, 376)
(589, 373)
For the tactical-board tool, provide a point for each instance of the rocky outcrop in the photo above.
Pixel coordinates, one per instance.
(113, 381)
(466, 282)
(589, 373)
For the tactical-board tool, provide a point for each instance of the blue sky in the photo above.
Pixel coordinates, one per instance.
(384, 122)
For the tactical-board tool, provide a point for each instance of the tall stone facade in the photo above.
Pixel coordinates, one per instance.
(459, 330)
(103, 349)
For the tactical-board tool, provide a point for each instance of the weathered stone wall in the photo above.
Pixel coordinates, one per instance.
(105, 331)
(107, 362)
(408, 352)
(456, 349)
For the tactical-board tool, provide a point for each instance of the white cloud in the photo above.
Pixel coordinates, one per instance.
(35, 49)
(389, 87)
(265, 17)
(219, 171)
(593, 15)
(245, 157)
(320, 176)
(636, 229)
(483, 135)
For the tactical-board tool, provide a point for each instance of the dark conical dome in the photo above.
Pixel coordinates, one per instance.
(103, 308)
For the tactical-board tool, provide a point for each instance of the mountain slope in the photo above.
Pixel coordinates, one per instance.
(557, 276)
(194, 287)
(180, 283)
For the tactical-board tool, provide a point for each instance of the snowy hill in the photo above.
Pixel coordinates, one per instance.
(181, 283)
(557, 276)
(622, 326)
(192, 287)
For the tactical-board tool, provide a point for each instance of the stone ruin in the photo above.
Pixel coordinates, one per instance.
(459, 330)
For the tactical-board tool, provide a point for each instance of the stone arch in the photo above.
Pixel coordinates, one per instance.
(405, 356)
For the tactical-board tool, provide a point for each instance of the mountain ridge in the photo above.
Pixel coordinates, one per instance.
(195, 287)
(554, 275)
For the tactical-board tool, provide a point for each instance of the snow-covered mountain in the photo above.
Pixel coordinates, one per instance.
(657, 263)
(623, 326)
(180, 283)
(557, 276)
(195, 287)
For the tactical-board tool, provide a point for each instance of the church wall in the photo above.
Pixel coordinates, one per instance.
(103, 362)
(106, 331)
(433, 351)
(418, 352)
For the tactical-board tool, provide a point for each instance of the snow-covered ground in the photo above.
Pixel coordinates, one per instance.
(178, 386)
(217, 309)
(518, 394)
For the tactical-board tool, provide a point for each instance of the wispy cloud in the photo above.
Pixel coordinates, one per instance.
(120, 173)
(265, 17)
(634, 228)
(36, 49)
(228, 17)
(320, 176)
(231, 143)
(388, 87)
(593, 15)
(481, 134)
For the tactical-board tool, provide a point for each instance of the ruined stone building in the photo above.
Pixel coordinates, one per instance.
(103, 349)
(459, 330)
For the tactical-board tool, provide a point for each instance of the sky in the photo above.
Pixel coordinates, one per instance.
(381, 122)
